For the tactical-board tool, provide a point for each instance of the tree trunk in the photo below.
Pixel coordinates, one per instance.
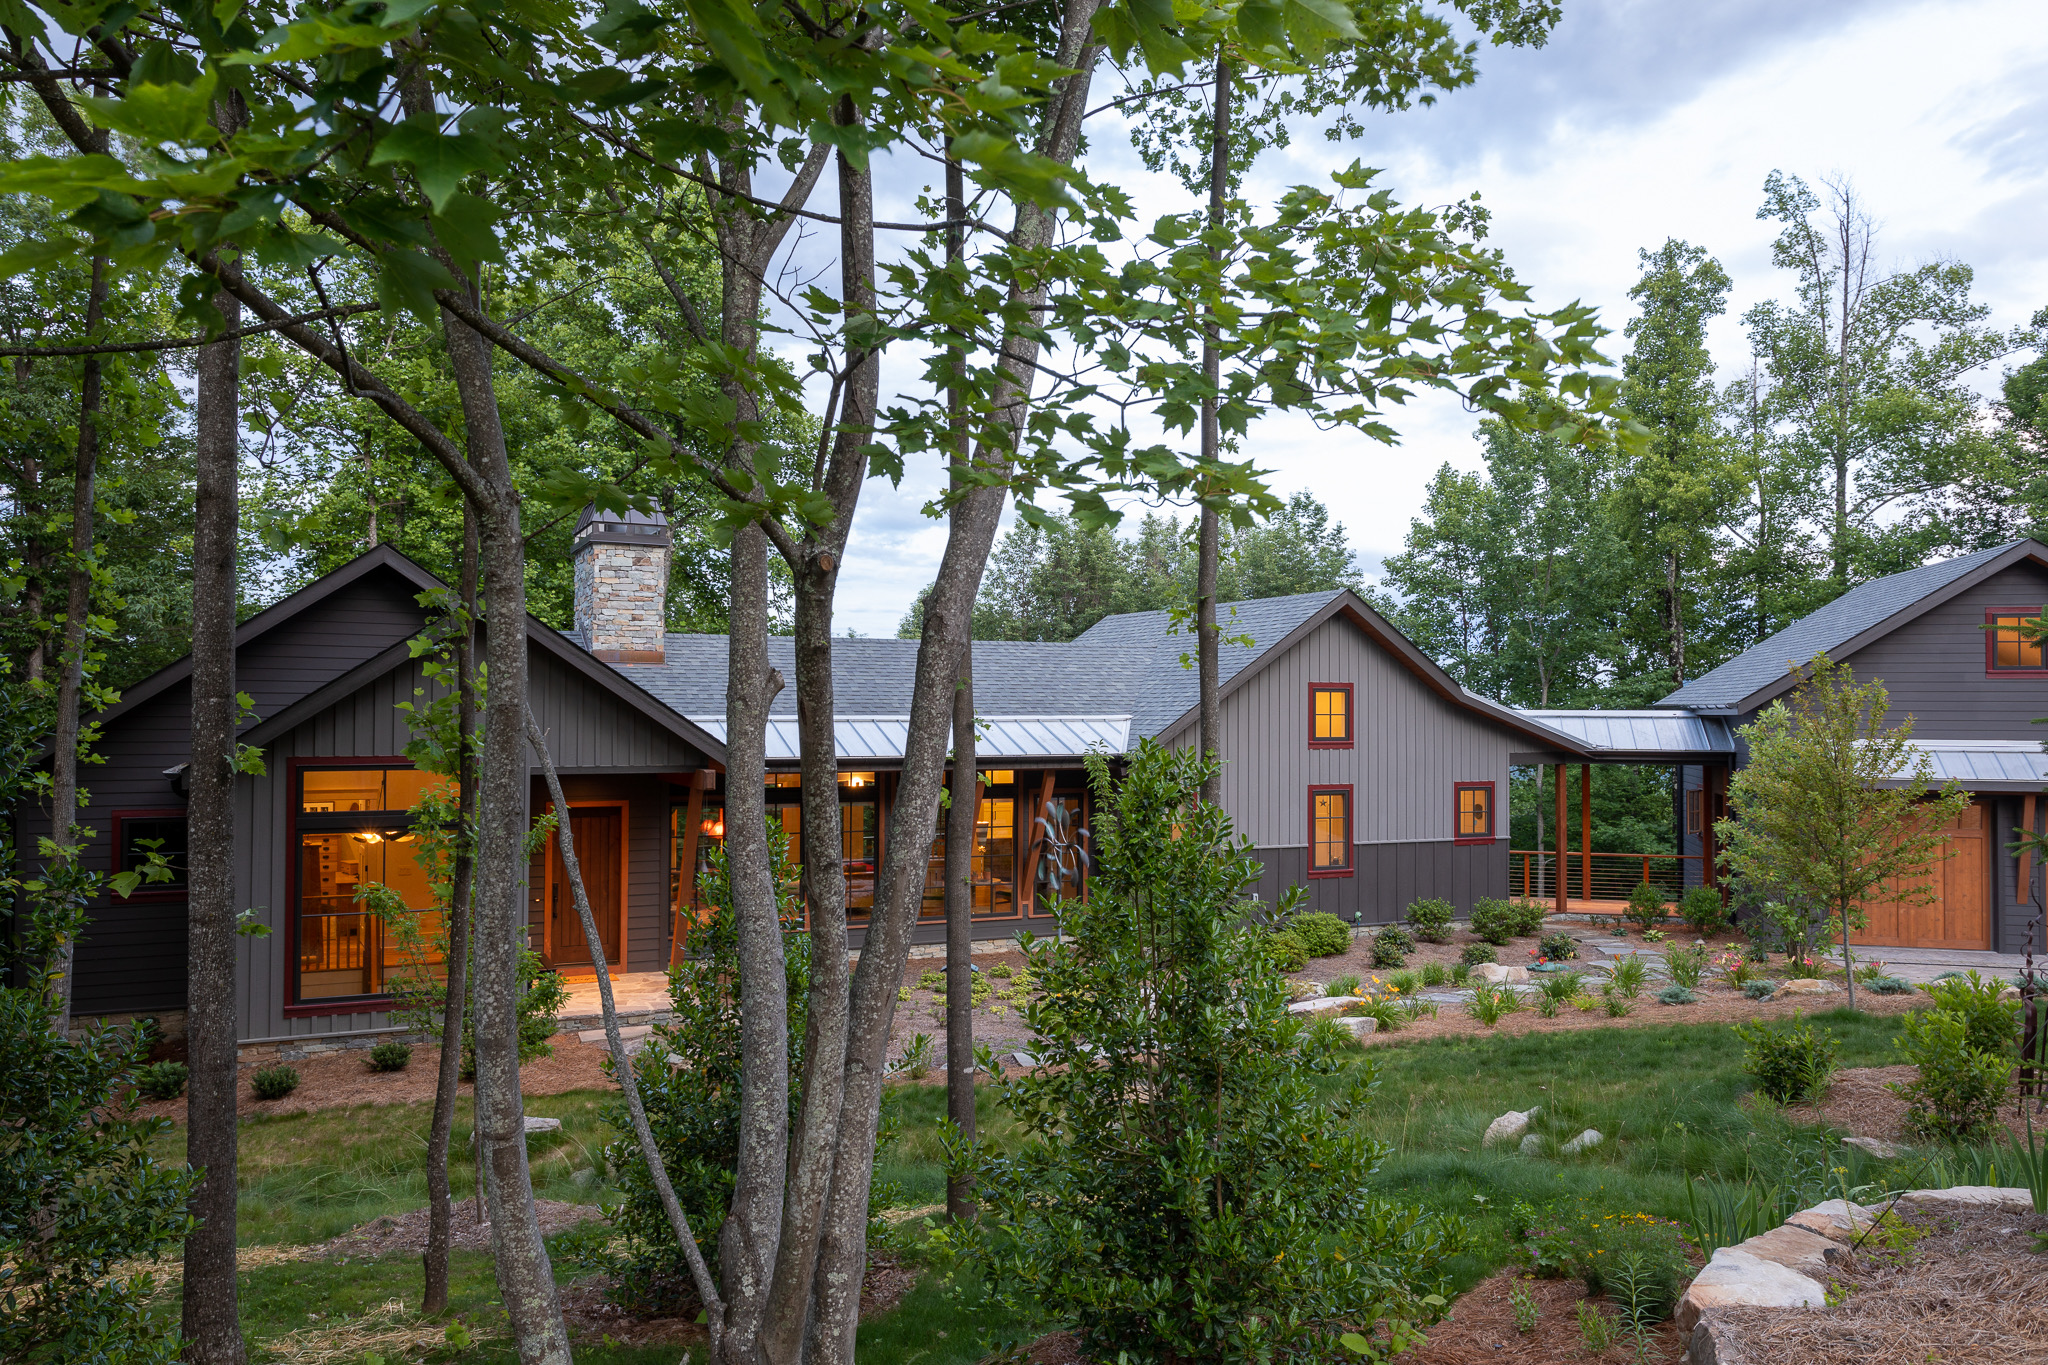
(71, 658)
(949, 609)
(1209, 546)
(1677, 617)
(211, 1319)
(960, 823)
(448, 1077)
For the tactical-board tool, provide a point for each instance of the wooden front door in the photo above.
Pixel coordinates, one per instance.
(598, 832)
(1959, 916)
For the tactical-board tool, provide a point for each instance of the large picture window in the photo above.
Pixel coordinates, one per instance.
(1473, 812)
(1329, 832)
(992, 870)
(355, 828)
(1329, 716)
(2009, 646)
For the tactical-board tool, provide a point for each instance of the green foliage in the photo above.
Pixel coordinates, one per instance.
(1960, 1087)
(917, 1058)
(1390, 947)
(392, 1056)
(162, 1080)
(1341, 985)
(1383, 1010)
(1677, 995)
(1184, 1190)
(1990, 1025)
(1324, 935)
(1594, 1329)
(1888, 985)
(1558, 947)
(1702, 910)
(1527, 917)
(689, 1075)
(1687, 966)
(1527, 1312)
(1790, 1061)
(1636, 1260)
(1461, 972)
(1629, 974)
(1431, 919)
(1759, 989)
(1491, 1003)
(1287, 951)
(1495, 921)
(1477, 955)
(1435, 974)
(1645, 906)
(1559, 986)
(274, 1082)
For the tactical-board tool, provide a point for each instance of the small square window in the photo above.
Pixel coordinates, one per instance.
(1329, 724)
(1329, 831)
(1474, 812)
(142, 834)
(2013, 643)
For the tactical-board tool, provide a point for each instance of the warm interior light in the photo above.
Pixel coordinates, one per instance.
(854, 781)
(371, 836)
(716, 829)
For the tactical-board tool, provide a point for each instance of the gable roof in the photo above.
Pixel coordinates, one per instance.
(1864, 613)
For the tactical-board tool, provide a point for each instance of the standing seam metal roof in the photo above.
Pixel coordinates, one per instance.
(1642, 732)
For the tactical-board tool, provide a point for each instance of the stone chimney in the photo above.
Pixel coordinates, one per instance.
(622, 585)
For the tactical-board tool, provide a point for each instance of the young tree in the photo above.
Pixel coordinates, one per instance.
(1813, 814)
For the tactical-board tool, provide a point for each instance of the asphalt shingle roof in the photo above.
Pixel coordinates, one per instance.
(1832, 626)
(1123, 665)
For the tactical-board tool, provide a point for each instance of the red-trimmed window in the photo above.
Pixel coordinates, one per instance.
(1329, 832)
(2009, 646)
(1473, 812)
(1329, 715)
(138, 833)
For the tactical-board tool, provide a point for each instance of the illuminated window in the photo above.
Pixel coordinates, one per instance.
(992, 872)
(326, 791)
(2013, 644)
(1474, 812)
(1329, 716)
(1329, 831)
(998, 777)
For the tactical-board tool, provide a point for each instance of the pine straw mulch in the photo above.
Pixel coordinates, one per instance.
(1481, 1327)
(1860, 1102)
(1972, 1291)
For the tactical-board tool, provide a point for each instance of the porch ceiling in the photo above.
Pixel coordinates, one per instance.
(1013, 738)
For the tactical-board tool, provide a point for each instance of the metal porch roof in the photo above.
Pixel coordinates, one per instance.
(1665, 735)
(1984, 765)
(881, 738)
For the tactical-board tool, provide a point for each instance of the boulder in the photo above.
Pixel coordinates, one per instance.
(1713, 1343)
(1495, 973)
(1878, 1147)
(540, 1125)
(1837, 1220)
(1735, 1277)
(1358, 1025)
(626, 1035)
(1509, 1126)
(1806, 985)
(1532, 1145)
(2009, 993)
(1797, 1249)
(1983, 1196)
(1585, 1141)
(1324, 1004)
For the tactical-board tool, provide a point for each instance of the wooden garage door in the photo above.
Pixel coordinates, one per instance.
(1959, 916)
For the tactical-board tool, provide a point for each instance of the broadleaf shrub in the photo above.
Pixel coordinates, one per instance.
(1391, 946)
(1179, 1189)
(1431, 919)
(1287, 951)
(1478, 954)
(1645, 906)
(1960, 1088)
(1558, 947)
(1526, 917)
(1322, 935)
(1495, 921)
(1703, 911)
(1993, 1025)
(1790, 1061)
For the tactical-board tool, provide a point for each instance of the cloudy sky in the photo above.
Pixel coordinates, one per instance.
(1641, 120)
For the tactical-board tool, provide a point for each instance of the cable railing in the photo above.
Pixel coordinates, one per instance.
(1533, 873)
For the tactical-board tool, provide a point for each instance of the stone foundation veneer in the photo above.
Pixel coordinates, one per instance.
(621, 566)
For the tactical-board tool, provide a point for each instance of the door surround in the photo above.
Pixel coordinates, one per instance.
(554, 855)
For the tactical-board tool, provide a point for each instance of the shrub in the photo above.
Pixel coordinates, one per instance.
(1645, 906)
(1558, 947)
(1435, 974)
(1702, 910)
(1526, 917)
(1431, 920)
(1494, 920)
(1759, 989)
(1477, 954)
(1992, 1025)
(1687, 966)
(1887, 985)
(1287, 951)
(388, 1056)
(274, 1082)
(1676, 995)
(1790, 1061)
(1960, 1088)
(1342, 985)
(1549, 1006)
(1324, 935)
(161, 1080)
(1156, 978)
(1390, 947)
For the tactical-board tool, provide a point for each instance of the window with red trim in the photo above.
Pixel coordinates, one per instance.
(138, 834)
(1473, 810)
(1329, 716)
(2012, 644)
(1329, 831)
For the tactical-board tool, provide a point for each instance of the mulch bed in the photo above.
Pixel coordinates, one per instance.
(592, 1317)
(1860, 1102)
(407, 1232)
(1973, 1291)
(1481, 1327)
(342, 1080)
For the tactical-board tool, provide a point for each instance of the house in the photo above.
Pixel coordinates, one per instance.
(1355, 766)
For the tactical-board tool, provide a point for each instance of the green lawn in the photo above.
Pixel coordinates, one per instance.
(1671, 1100)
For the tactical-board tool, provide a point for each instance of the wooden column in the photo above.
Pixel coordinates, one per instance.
(1586, 828)
(1558, 883)
(693, 816)
(2023, 888)
(1713, 781)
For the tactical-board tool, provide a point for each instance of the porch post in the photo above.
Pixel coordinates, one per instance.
(1586, 828)
(686, 892)
(1558, 873)
(1713, 781)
